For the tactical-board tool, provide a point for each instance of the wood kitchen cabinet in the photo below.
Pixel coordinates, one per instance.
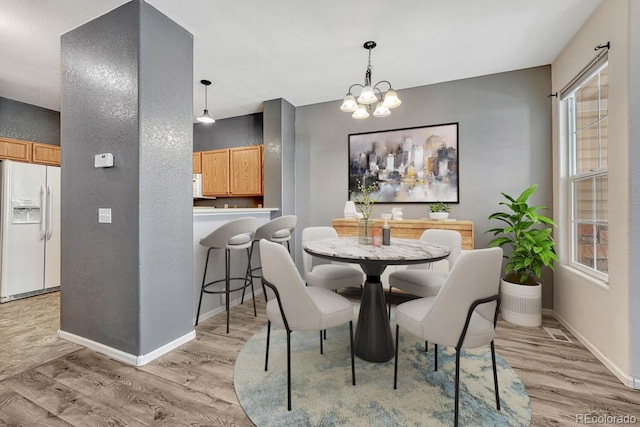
(197, 162)
(14, 149)
(45, 154)
(232, 172)
(246, 170)
(215, 173)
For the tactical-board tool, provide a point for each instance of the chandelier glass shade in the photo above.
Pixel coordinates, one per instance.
(205, 117)
(370, 94)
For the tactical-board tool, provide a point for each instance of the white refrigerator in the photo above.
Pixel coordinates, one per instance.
(29, 229)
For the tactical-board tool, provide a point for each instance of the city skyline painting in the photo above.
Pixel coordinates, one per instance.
(411, 165)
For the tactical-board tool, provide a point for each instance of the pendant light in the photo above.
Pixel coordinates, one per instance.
(369, 95)
(205, 117)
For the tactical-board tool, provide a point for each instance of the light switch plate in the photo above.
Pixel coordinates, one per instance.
(104, 215)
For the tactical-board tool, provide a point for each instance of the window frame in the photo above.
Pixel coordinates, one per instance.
(589, 176)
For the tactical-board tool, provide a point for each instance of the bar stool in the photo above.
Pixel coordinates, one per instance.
(278, 230)
(234, 235)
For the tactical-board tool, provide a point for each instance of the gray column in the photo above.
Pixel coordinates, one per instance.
(127, 89)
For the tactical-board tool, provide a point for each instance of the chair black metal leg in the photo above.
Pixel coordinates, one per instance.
(455, 416)
(495, 374)
(253, 291)
(227, 281)
(426, 346)
(390, 301)
(204, 278)
(325, 334)
(289, 370)
(266, 354)
(321, 350)
(288, 246)
(353, 363)
(435, 356)
(395, 369)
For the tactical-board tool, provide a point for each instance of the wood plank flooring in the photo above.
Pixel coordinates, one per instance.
(46, 381)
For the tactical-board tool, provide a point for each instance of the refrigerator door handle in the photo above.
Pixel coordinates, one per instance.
(49, 211)
(43, 230)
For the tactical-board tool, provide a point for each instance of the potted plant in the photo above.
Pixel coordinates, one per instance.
(439, 210)
(528, 234)
(365, 203)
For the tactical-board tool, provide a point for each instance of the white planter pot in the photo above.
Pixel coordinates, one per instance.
(438, 215)
(521, 304)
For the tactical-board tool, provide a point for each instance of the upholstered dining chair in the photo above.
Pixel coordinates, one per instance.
(277, 230)
(296, 307)
(421, 279)
(463, 315)
(323, 273)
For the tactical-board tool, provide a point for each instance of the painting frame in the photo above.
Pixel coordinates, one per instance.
(409, 165)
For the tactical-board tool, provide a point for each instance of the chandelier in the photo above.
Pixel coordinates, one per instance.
(368, 95)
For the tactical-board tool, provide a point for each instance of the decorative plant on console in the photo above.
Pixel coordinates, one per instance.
(528, 234)
(439, 210)
(365, 202)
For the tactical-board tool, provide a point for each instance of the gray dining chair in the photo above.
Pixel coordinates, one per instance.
(295, 307)
(421, 279)
(324, 273)
(463, 315)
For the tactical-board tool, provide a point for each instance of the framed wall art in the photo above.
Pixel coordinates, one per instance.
(412, 165)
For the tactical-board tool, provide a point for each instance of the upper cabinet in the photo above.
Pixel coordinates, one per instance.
(45, 154)
(14, 149)
(232, 172)
(246, 171)
(215, 173)
(197, 162)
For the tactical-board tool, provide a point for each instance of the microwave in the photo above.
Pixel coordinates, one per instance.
(197, 185)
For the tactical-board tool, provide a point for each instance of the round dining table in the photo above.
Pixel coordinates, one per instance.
(373, 341)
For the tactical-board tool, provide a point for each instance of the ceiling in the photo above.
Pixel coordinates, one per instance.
(306, 52)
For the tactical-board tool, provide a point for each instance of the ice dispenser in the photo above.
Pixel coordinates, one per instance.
(26, 211)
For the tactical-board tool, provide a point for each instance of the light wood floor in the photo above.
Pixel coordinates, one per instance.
(46, 381)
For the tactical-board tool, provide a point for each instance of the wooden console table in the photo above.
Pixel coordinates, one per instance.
(409, 228)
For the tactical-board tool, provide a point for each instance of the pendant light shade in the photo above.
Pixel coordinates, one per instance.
(391, 99)
(349, 104)
(360, 113)
(205, 117)
(370, 94)
(367, 96)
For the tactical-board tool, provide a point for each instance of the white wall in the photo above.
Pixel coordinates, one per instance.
(596, 312)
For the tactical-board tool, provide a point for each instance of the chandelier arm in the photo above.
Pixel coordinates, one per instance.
(383, 81)
(352, 86)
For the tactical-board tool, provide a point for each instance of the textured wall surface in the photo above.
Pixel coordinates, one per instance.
(504, 146)
(28, 122)
(127, 284)
(227, 133)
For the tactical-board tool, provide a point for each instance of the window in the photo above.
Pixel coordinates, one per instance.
(587, 107)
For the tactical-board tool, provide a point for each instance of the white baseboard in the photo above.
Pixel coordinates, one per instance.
(127, 358)
(626, 379)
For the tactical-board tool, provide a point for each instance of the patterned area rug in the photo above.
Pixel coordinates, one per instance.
(322, 394)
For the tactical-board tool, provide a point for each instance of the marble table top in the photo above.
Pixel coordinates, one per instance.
(400, 251)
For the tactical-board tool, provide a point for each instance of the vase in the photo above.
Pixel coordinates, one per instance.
(521, 304)
(438, 215)
(349, 210)
(365, 231)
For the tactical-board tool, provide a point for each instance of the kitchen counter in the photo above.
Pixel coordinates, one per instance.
(205, 220)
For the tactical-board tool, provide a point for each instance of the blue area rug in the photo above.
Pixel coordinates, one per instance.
(322, 394)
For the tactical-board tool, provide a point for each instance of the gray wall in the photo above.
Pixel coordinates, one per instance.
(127, 284)
(504, 146)
(228, 133)
(28, 122)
